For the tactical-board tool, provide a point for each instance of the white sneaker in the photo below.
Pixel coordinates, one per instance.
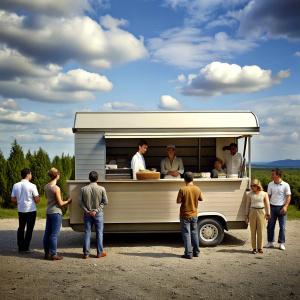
(281, 247)
(269, 245)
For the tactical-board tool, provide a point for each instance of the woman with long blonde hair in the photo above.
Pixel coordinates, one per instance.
(257, 212)
(54, 215)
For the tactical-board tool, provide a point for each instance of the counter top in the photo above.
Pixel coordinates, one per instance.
(161, 180)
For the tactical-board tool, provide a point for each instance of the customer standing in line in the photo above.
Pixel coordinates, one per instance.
(280, 196)
(26, 195)
(188, 197)
(92, 199)
(54, 215)
(257, 211)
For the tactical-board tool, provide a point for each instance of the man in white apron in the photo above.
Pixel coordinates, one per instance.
(138, 161)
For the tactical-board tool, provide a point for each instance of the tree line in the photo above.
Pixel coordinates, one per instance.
(39, 163)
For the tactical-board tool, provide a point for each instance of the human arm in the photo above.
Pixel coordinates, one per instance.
(14, 199)
(104, 201)
(81, 202)
(285, 207)
(267, 206)
(200, 197)
(179, 196)
(181, 167)
(36, 199)
(248, 202)
(163, 170)
(58, 197)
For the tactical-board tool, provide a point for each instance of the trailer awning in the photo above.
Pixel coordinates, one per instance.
(168, 124)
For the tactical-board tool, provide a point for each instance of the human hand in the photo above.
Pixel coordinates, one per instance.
(283, 210)
(69, 200)
(175, 173)
(93, 213)
(247, 220)
(87, 212)
(268, 217)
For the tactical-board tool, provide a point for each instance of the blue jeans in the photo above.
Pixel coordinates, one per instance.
(275, 213)
(53, 224)
(89, 221)
(189, 229)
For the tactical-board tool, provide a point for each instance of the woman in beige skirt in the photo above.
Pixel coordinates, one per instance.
(257, 212)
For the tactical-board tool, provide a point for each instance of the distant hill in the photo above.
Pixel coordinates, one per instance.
(286, 163)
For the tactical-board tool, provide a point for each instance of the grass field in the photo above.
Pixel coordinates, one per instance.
(40, 213)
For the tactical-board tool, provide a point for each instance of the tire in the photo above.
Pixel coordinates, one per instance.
(211, 232)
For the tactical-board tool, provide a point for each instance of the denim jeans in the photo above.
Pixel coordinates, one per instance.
(275, 213)
(25, 220)
(189, 229)
(53, 224)
(89, 221)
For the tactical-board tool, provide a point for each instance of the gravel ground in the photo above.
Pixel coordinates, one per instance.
(148, 266)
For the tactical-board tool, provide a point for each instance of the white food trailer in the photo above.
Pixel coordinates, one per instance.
(150, 205)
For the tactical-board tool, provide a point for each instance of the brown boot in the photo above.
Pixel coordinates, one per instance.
(102, 255)
(56, 257)
(47, 256)
(86, 256)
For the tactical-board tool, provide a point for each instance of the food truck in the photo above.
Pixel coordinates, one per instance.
(106, 141)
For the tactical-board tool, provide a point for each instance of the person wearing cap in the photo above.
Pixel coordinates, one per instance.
(171, 167)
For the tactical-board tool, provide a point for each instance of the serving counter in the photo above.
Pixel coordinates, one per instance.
(151, 203)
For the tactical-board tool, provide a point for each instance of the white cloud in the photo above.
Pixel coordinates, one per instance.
(59, 132)
(221, 78)
(200, 11)
(10, 104)
(13, 64)
(297, 53)
(111, 23)
(20, 117)
(50, 7)
(81, 80)
(24, 137)
(15, 128)
(61, 40)
(73, 86)
(119, 106)
(180, 78)
(188, 48)
(51, 138)
(169, 103)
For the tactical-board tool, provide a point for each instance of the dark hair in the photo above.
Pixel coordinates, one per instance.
(188, 176)
(25, 172)
(277, 171)
(142, 143)
(233, 144)
(93, 176)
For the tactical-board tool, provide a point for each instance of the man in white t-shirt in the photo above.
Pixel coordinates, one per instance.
(25, 194)
(280, 196)
(138, 161)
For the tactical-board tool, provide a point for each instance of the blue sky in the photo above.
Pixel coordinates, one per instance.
(59, 57)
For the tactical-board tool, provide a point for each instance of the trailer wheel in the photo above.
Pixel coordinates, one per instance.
(211, 232)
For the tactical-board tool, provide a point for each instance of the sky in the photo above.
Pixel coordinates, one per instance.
(61, 57)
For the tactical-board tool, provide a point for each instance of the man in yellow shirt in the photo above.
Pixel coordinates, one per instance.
(188, 197)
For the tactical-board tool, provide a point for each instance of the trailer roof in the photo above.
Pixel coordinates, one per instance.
(168, 124)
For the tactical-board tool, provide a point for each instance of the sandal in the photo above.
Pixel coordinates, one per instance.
(260, 251)
(254, 251)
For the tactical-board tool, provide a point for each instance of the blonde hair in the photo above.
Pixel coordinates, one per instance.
(53, 172)
(257, 182)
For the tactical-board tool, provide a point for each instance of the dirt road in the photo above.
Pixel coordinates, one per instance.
(148, 266)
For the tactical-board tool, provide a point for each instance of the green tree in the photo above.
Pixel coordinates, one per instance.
(3, 178)
(40, 165)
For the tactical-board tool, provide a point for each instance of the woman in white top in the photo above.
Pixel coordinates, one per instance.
(257, 204)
